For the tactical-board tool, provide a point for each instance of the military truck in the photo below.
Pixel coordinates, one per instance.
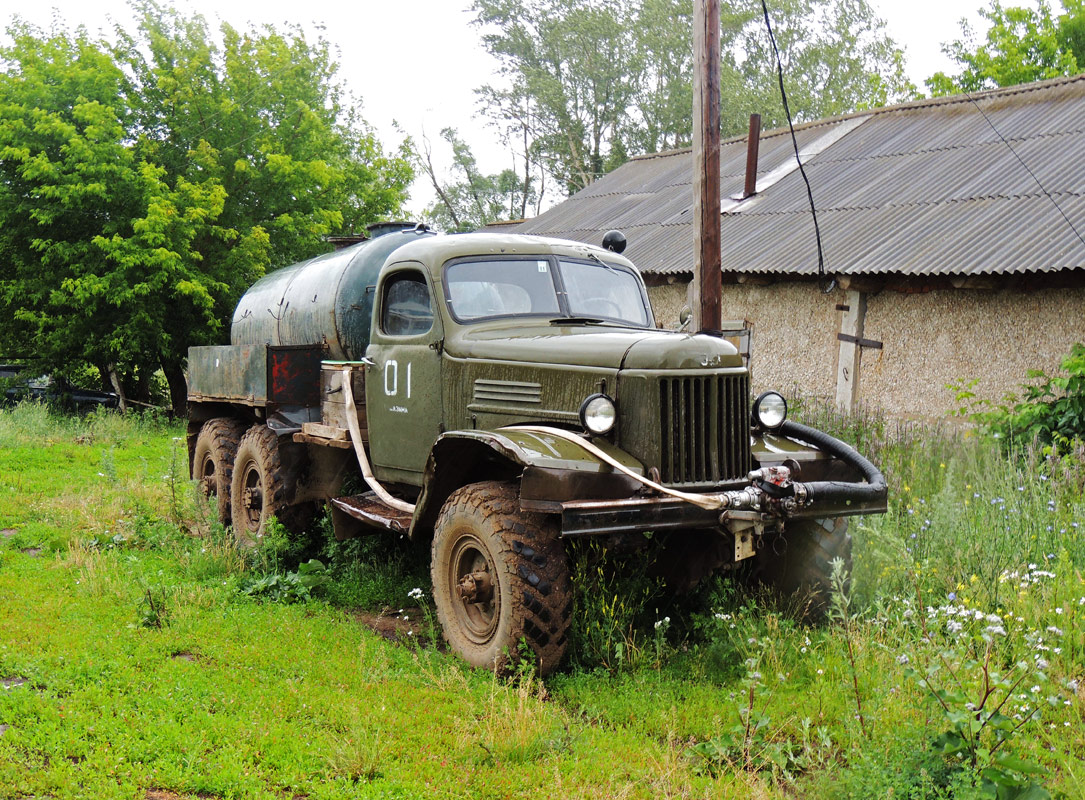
(498, 395)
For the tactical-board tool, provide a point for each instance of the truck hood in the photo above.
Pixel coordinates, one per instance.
(589, 345)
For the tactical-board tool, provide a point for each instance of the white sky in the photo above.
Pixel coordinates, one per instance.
(417, 62)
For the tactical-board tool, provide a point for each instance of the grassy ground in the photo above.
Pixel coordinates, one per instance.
(141, 656)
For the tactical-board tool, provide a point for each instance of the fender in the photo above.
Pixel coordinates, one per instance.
(546, 463)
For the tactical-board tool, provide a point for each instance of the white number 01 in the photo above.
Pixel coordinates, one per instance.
(391, 378)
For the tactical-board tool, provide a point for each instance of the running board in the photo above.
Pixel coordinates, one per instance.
(367, 508)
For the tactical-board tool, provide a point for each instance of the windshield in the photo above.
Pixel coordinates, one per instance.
(601, 290)
(517, 287)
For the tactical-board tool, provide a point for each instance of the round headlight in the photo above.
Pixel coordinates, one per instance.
(597, 414)
(770, 410)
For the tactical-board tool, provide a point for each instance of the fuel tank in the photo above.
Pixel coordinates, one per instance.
(326, 300)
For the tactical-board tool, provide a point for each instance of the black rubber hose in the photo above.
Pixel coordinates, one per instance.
(875, 490)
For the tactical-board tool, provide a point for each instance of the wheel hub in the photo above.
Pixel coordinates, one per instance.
(253, 498)
(473, 585)
(207, 479)
(476, 587)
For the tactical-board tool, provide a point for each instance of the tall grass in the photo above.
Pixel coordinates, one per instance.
(34, 423)
(961, 509)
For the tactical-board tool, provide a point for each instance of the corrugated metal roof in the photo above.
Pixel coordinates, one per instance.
(924, 188)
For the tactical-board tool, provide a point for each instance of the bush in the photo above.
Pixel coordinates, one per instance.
(1052, 410)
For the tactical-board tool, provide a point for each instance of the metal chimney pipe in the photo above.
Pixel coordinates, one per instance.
(753, 141)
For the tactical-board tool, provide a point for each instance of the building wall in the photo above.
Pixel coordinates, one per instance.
(949, 336)
(668, 300)
(930, 339)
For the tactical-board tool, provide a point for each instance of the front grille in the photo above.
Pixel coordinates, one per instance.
(705, 428)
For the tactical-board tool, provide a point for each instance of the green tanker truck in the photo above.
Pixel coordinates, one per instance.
(498, 395)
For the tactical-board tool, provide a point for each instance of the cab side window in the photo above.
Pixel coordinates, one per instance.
(405, 307)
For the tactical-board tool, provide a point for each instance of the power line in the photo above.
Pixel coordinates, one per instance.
(826, 287)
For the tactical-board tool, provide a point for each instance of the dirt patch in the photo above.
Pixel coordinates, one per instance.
(183, 655)
(7, 533)
(33, 552)
(397, 625)
(12, 682)
(3, 728)
(166, 794)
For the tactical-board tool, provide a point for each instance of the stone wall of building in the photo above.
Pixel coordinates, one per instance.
(952, 336)
(931, 340)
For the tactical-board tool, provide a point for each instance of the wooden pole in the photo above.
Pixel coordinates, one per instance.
(707, 279)
(851, 354)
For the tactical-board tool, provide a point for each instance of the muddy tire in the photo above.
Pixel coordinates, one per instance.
(799, 568)
(258, 490)
(500, 577)
(213, 462)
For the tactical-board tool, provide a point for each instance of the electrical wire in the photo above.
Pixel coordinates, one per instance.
(826, 286)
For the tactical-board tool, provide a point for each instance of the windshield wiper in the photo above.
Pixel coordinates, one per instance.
(580, 321)
(601, 262)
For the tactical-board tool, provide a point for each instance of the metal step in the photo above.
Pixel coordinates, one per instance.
(369, 509)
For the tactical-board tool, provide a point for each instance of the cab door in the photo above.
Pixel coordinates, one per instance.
(403, 385)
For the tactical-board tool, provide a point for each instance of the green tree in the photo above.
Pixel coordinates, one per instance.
(149, 182)
(70, 182)
(471, 200)
(613, 78)
(1023, 44)
(835, 54)
(836, 58)
(572, 59)
(662, 64)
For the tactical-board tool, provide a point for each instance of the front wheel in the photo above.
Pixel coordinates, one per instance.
(800, 566)
(500, 577)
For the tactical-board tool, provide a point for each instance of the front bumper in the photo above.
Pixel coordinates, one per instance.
(642, 514)
(613, 503)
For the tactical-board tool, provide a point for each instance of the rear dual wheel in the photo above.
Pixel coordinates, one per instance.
(258, 491)
(500, 578)
(213, 461)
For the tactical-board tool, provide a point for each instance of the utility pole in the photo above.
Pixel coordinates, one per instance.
(707, 278)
